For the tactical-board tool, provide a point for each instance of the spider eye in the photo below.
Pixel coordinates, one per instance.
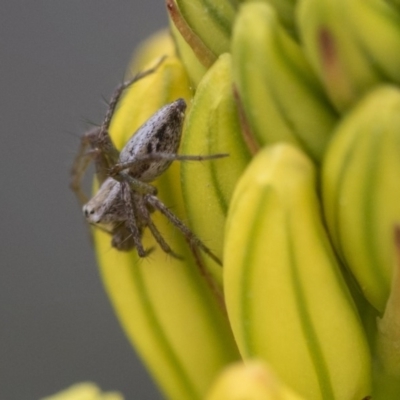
(88, 211)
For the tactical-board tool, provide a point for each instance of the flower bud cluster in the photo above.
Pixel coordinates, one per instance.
(304, 213)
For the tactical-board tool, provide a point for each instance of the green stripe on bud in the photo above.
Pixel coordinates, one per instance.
(194, 68)
(211, 21)
(361, 190)
(212, 126)
(353, 45)
(286, 298)
(286, 13)
(281, 96)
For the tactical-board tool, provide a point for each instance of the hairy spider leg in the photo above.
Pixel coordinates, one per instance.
(144, 212)
(135, 184)
(132, 219)
(187, 233)
(104, 139)
(147, 194)
(162, 156)
(82, 161)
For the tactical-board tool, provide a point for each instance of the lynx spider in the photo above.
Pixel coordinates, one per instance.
(125, 200)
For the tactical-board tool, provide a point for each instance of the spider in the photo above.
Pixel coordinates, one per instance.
(126, 198)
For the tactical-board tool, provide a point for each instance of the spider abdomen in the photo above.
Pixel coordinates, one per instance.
(161, 134)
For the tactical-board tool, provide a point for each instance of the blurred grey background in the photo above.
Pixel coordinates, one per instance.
(58, 58)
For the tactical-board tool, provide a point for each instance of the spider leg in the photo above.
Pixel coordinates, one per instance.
(191, 238)
(122, 237)
(116, 96)
(139, 200)
(86, 153)
(136, 184)
(131, 219)
(162, 156)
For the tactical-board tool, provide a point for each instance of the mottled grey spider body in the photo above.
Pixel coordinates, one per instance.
(125, 199)
(159, 134)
